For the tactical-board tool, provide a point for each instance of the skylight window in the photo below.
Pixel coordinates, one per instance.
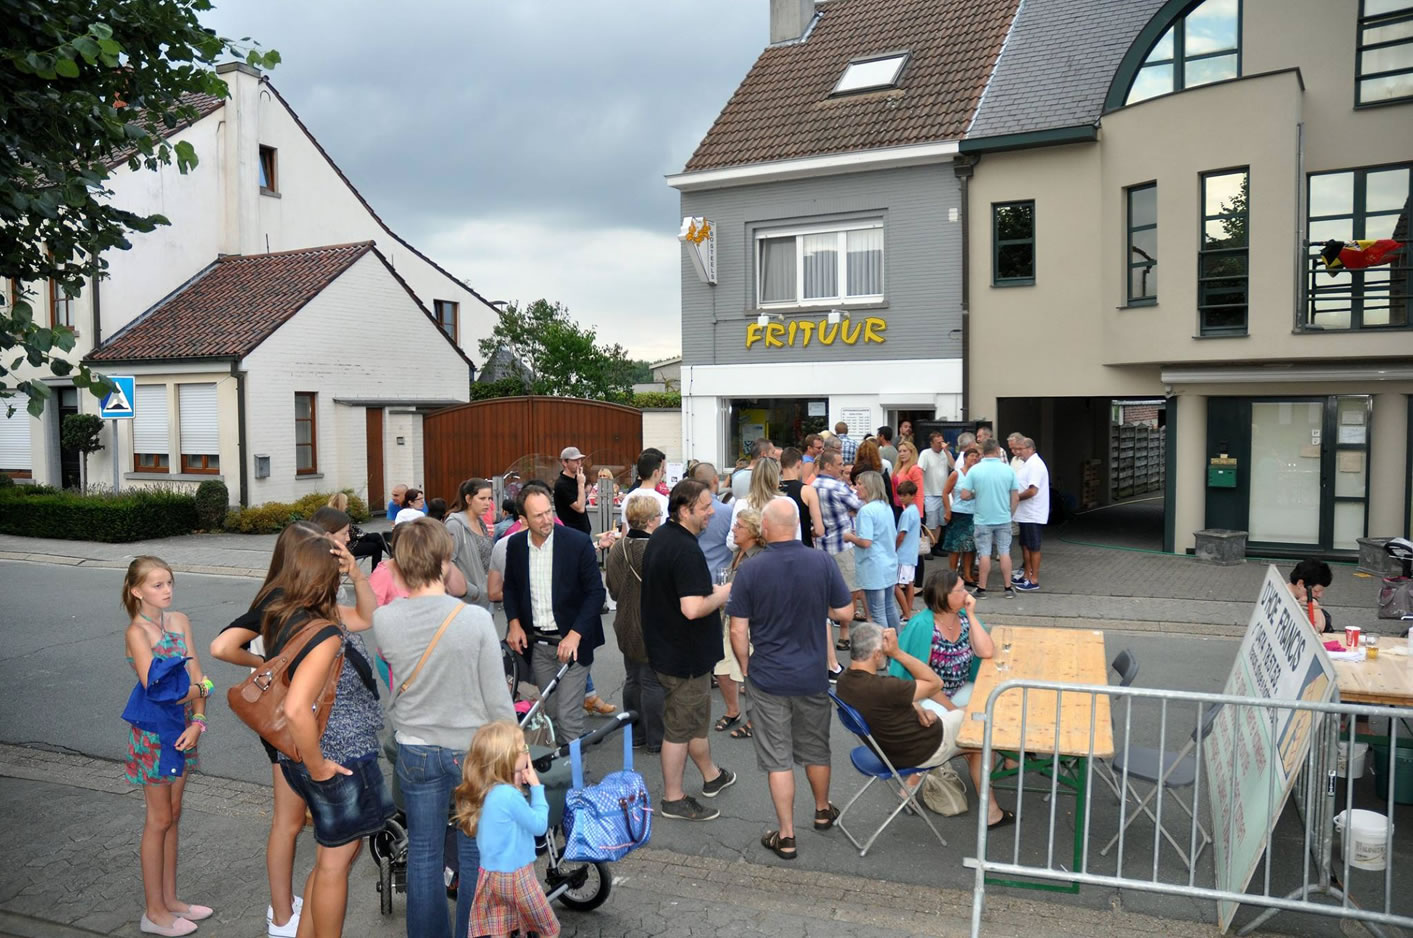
(867, 74)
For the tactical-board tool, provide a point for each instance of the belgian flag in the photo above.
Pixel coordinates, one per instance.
(1357, 255)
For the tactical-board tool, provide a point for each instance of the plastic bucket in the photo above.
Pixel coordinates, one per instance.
(1403, 786)
(1356, 769)
(1362, 844)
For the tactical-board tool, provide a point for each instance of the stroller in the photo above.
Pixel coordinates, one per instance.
(1396, 593)
(581, 886)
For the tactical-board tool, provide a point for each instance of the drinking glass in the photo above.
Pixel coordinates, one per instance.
(1371, 646)
(721, 574)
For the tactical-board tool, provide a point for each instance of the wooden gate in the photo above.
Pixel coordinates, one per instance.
(489, 438)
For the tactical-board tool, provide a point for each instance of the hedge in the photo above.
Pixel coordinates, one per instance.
(273, 517)
(133, 515)
(658, 399)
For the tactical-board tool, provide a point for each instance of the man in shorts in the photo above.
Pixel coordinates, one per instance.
(682, 632)
(992, 487)
(1032, 513)
(936, 465)
(778, 608)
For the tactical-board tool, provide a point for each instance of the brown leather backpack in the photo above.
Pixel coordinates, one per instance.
(259, 699)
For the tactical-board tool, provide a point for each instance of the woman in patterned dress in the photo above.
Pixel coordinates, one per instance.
(947, 635)
(155, 631)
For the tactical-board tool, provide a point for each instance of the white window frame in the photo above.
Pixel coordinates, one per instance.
(868, 74)
(198, 423)
(798, 233)
(152, 420)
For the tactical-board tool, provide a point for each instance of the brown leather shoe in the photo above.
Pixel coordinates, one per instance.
(596, 704)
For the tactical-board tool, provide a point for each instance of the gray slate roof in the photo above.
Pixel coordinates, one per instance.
(1055, 69)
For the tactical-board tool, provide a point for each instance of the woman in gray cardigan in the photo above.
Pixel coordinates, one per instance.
(472, 539)
(435, 712)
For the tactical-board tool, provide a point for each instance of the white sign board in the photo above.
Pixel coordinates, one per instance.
(858, 420)
(1281, 658)
(698, 236)
(672, 473)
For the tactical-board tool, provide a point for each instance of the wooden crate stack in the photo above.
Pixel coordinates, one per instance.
(1138, 457)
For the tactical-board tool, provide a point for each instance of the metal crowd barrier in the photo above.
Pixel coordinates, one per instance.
(1314, 792)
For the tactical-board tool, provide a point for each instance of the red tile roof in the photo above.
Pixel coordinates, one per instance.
(230, 307)
(783, 109)
(204, 104)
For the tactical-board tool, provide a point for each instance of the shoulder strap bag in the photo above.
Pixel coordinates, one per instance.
(258, 701)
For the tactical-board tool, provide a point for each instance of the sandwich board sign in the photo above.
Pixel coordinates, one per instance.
(118, 405)
(1254, 756)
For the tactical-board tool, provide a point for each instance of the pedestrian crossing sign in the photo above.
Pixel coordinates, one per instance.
(118, 405)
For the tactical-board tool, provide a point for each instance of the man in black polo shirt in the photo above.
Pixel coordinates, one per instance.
(682, 632)
(569, 498)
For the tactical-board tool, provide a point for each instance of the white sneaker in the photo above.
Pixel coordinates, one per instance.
(288, 929)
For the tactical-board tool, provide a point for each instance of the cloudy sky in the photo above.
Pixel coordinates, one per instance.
(520, 143)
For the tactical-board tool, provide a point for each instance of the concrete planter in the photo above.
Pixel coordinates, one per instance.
(1221, 546)
(1372, 558)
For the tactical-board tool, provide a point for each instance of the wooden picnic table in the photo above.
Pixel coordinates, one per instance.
(1387, 679)
(1074, 656)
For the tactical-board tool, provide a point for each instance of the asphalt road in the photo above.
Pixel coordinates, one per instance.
(67, 681)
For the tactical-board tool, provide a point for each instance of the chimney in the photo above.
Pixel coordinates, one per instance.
(789, 19)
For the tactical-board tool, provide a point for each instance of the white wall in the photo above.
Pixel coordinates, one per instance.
(314, 351)
(402, 462)
(663, 429)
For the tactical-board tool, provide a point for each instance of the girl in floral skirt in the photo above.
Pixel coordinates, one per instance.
(491, 807)
(159, 760)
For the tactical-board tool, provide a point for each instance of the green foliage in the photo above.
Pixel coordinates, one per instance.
(212, 501)
(650, 399)
(132, 515)
(85, 86)
(273, 517)
(564, 358)
(505, 387)
(80, 432)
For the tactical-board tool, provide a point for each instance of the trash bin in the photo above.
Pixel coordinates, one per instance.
(1403, 787)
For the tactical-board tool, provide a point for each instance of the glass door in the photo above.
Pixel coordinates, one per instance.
(1286, 454)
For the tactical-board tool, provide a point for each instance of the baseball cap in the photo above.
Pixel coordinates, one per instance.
(570, 452)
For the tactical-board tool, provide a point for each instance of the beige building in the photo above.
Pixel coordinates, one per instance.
(1149, 187)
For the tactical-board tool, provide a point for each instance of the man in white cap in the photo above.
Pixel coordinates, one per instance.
(569, 498)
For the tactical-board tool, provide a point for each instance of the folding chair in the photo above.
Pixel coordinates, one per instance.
(1169, 771)
(870, 761)
(1126, 666)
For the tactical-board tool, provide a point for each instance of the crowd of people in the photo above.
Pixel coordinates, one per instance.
(754, 584)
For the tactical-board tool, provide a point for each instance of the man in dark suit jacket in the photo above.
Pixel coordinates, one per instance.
(553, 599)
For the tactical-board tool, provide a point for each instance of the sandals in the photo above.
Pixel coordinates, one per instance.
(743, 731)
(726, 722)
(824, 818)
(782, 847)
(842, 645)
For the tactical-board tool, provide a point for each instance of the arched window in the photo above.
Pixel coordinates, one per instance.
(1198, 48)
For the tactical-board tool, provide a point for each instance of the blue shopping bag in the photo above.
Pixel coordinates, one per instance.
(607, 821)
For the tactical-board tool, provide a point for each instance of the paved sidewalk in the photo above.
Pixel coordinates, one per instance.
(72, 871)
(1123, 588)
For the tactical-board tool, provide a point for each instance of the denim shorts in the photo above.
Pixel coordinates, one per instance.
(345, 807)
(985, 534)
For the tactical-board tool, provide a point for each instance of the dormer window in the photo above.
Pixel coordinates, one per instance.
(871, 73)
(1200, 47)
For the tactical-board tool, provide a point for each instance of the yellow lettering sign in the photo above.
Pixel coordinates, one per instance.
(801, 333)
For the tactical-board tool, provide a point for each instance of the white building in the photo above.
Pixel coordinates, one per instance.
(264, 186)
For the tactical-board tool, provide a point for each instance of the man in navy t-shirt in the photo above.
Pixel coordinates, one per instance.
(778, 607)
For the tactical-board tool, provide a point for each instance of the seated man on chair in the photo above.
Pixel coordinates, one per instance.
(913, 730)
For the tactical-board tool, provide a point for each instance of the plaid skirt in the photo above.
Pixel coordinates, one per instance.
(506, 902)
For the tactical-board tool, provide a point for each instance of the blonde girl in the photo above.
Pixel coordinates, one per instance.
(765, 485)
(491, 807)
(154, 633)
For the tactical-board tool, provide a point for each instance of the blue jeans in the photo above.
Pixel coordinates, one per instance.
(882, 610)
(427, 775)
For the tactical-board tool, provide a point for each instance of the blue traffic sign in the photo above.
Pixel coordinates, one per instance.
(118, 405)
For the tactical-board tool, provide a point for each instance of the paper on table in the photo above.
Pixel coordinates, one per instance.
(1354, 654)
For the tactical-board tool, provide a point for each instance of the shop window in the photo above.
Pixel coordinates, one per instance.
(1013, 243)
(151, 435)
(1142, 259)
(783, 421)
(199, 428)
(820, 266)
(447, 314)
(1383, 68)
(306, 433)
(1200, 47)
(269, 171)
(1350, 206)
(1223, 275)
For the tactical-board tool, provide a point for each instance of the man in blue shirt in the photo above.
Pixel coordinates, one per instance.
(712, 540)
(395, 503)
(993, 488)
(778, 606)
